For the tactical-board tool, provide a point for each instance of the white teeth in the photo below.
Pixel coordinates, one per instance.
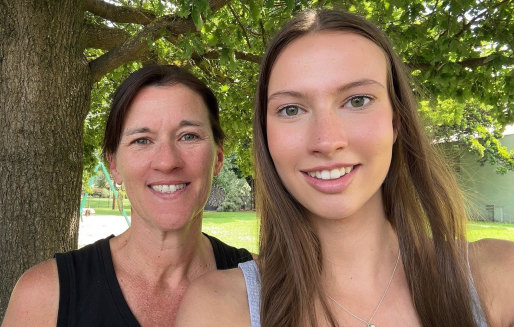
(335, 173)
(330, 174)
(325, 174)
(168, 188)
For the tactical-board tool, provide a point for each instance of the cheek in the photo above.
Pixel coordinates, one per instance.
(203, 161)
(375, 134)
(281, 143)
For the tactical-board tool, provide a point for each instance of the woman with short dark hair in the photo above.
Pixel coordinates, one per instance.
(164, 142)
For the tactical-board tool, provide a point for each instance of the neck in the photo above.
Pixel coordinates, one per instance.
(361, 247)
(171, 257)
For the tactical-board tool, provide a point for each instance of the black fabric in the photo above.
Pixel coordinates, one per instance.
(227, 256)
(89, 291)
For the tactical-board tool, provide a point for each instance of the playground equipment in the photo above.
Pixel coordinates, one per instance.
(111, 185)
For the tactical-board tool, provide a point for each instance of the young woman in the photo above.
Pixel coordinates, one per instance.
(361, 223)
(164, 141)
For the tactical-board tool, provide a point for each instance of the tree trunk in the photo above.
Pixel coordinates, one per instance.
(44, 97)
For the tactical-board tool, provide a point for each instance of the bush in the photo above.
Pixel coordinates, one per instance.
(238, 194)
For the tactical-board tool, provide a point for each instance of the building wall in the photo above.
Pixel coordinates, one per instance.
(490, 195)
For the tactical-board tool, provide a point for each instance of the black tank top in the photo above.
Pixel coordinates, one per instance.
(89, 291)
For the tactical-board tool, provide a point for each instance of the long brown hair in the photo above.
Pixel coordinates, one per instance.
(421, 200)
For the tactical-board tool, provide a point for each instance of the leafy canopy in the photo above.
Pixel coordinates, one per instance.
(459, 52)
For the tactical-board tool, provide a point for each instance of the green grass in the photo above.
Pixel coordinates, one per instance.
(241, 229)
(480, 230)
(103, 206)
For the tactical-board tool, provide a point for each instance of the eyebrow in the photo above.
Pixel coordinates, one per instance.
(140, 130)
(136, 131)
(342, 88)
(189, 123)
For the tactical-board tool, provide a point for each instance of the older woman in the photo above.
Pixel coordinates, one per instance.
(163, 141)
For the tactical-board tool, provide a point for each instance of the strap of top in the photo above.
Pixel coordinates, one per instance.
(227, 256)
(478, 312)
(253, 290)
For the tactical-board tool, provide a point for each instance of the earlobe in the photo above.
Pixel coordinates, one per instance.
(111, 158)
(219, 161)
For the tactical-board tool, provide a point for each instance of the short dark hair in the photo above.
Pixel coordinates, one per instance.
(156, 75)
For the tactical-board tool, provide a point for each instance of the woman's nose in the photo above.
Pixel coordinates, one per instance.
(167, 157)
(327, 134)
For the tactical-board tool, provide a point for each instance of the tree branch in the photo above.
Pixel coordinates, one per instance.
(136, 47)
(469, 63)
(131, 49)
(120, 14)
(238, 54)
(241, 26)
(467, 26)
(263, 33)
(99, 36)
(486, 11)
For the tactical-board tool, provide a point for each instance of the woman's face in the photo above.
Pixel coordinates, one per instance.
(167, 156)
(330, 123)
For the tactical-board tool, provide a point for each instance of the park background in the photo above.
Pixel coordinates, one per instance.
(60, 62)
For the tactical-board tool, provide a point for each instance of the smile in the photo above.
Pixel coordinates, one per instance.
(167, 188)
(330, 174)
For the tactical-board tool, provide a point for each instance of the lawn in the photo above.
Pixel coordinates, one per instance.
(480, 230)
(241, 229)
(103, 206)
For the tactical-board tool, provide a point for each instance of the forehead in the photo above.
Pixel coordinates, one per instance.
(328, 59)
(169, 102)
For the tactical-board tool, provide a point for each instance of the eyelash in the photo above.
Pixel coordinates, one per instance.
(195, 137)
(281, 110)
(138, 141)
(365, 97)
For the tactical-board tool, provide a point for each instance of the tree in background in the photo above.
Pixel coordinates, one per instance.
(238, 194)
(61, 60)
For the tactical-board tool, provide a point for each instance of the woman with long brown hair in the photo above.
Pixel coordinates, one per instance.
(361, 223)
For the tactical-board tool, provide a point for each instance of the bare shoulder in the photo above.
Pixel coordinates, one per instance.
(492, 264)
(216, 299)
(35, 298)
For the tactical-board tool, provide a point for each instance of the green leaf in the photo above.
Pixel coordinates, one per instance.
(269, 4)
(255, 10)
(290, 5)
(197, 17)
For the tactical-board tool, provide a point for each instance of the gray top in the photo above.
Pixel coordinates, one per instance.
(478, 312)
(253, 289)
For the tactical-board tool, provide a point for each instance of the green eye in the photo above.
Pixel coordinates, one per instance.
(291, 110)
(358, 101)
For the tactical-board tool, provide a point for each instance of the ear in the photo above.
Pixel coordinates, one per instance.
(111, 158)
(219, 160)
(395, 127)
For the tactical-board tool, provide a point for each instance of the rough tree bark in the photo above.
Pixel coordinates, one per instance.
(41, 126)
